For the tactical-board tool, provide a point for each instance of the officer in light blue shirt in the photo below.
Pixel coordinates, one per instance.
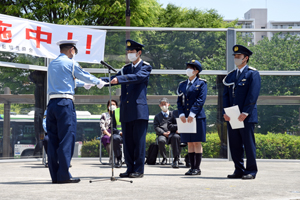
(61, 115)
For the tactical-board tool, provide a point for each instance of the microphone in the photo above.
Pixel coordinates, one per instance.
(108, 66)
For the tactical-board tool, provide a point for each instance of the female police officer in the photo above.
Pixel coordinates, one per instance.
(191, 98)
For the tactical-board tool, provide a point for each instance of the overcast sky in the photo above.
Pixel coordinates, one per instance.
(278, 10)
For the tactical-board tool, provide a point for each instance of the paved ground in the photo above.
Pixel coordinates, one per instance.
(276, 180)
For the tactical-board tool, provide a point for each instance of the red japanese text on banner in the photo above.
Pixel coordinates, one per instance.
(20, 35)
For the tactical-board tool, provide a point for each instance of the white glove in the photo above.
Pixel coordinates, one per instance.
(88, 86)
(101, 84)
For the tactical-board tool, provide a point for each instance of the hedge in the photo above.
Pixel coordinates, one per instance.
(277, 146)
(270, 146)
(90, 148)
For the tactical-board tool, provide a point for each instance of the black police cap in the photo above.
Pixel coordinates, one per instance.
(195, 63)
(133, 45)
(239, 49)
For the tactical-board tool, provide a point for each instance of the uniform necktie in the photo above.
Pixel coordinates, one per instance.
(132, 68)
(238, 74)
(166, 115)
(189, 85)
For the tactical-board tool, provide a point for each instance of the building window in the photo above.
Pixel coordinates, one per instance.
(263, 27)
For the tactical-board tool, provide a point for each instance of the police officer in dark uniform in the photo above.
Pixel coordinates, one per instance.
(61, 115)
(190, 102)
(134, 112)
(242, 88)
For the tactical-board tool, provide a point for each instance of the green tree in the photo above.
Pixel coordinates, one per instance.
(279, 53)
(85, 12)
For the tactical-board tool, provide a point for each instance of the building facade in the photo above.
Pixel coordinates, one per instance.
(257, 18)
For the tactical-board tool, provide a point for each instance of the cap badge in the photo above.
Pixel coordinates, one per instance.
(128, 44)
(236, 48)
(193, 61)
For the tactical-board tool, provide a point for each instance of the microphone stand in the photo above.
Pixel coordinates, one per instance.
(112, 178)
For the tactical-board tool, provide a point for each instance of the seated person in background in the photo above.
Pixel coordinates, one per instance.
(175, 138)
(105, 124)
(164, 135)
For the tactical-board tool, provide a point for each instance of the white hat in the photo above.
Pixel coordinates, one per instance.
(68, 43)
(72, 42)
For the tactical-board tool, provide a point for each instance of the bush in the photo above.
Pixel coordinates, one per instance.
(150, 138)
(277, 146)
(270, 146)
(212, 146)
(90, 148)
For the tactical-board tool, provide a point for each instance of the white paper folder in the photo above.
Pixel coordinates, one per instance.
(234, 113)
(186, 127)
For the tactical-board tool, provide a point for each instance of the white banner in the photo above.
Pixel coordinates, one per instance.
(20, 35)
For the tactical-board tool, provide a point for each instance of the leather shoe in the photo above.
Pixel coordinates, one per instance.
(234, 176)
(196, 172)
(175, 164)
(136, 175)
(190, 172)
(124, 175)
(71, 180)
(164, 161)
(248, 177)
(118, 164)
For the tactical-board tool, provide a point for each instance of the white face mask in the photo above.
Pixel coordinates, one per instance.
(189, 72)
(112, 108)
(164, 108)
(132, 57)
(238, 61)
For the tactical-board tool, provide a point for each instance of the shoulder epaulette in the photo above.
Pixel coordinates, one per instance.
(201, 79)
(252, 68)
(146, 63)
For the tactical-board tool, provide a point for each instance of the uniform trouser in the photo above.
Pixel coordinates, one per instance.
(134, 142)
(117, 141)
(174, 140)
(61, 129)
(241, 140)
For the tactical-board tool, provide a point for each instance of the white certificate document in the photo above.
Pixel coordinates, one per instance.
(234, 112)
(186, 127)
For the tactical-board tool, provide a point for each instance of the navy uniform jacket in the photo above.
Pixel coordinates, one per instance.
(194, 100)
(246, 91)
(133, 91)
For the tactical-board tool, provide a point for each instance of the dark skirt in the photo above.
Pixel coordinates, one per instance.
(105, 139)
(200, 136)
